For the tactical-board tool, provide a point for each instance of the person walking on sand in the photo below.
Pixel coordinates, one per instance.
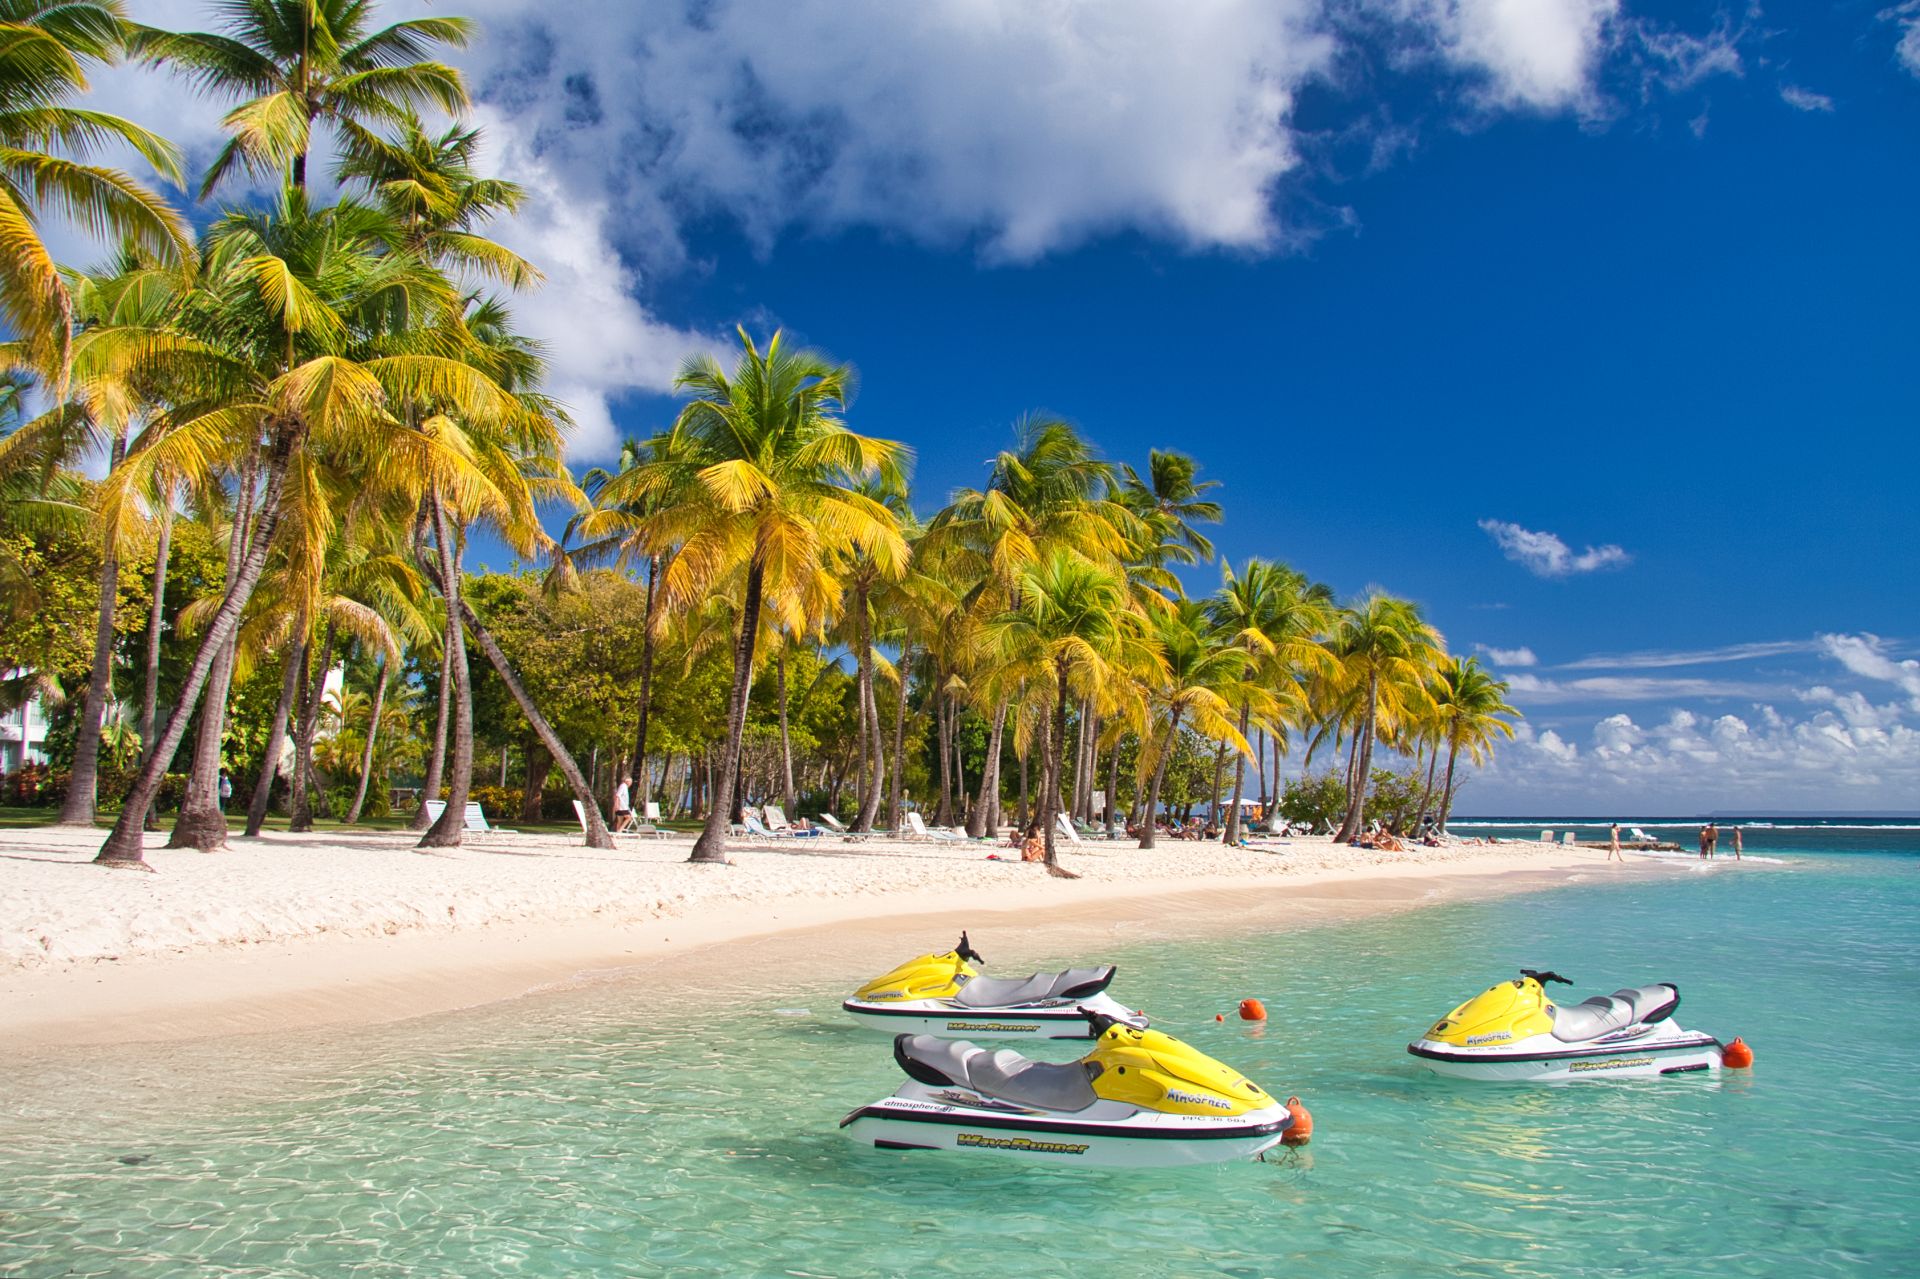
(1613, 843)
(1736, 845)
(623, 805)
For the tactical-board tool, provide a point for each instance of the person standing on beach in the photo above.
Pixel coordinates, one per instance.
(1713, 840)
(623, 805)
(1705, 843)
(1736, 845)
(226, 789)
(1613, 843)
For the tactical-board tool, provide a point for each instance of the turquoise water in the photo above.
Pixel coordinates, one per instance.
(587, 1133)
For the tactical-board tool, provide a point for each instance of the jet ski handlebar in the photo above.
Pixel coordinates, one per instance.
(966, 951)
(1544, 977)
(1103, 1022)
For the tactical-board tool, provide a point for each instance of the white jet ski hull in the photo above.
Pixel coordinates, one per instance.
(1139, 1139)
(946, 1019)
(1662, 1050)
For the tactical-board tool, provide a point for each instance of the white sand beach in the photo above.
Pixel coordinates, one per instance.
(336, 928)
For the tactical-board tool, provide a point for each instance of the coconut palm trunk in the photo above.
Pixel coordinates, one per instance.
(786, 741)
(373, 731)
(711, 846)
(1054, 743)
(1233, 831)
(981, 818)
(641, 773)
(1112, 814)
(943, 738)
(452, 824)
(290, 682)
(123, 846)
(898, 780)
(1355, 822)
(1426, 795)
(1446, 795)
(83, 784)
(437, 760)
(1150, 826)
(156, 619)
(302, 805)
(201, 824)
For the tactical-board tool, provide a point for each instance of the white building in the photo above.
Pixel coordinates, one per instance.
(23, 736)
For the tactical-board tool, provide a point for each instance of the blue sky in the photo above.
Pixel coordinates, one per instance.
(1589, 325)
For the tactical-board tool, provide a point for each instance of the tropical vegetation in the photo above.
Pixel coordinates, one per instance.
(244, 454)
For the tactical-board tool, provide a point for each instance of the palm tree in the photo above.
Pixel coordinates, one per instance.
(1074, 628)
(279, 354)
(1386, 652)
(1470, 705)
(1200, 671)
(1275, 616)
(301, 62)
(1170, 502)
(768, 474)
(45, 48)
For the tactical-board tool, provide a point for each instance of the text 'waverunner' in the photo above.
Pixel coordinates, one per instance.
(1514, 1032)
(1138, 1099)
(945, 995)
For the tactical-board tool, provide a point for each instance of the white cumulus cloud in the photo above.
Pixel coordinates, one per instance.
(1545, 555)
(1539, 54)
(1522, 656)
(1866, 655)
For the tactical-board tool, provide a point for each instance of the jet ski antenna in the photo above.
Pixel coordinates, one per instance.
(966, 951)
(1544, 977)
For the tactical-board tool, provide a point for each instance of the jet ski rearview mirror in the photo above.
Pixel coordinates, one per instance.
(1103, 1022)
(966, 951)
(1544, 977)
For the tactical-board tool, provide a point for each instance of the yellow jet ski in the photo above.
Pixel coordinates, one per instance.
(945, 995)
(1515, 1032)
(1138, 1099)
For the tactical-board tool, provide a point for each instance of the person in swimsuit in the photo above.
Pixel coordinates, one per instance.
(1613, 843)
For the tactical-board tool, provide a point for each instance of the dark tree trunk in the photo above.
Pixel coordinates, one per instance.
(1355, 823)
(437, 760)
(1446, 796)
(290, 681)
(898, 780)
(539, 764)
(712, 844)
(373, 731)
(83, 784)
(1426, 793)
(1055, 746)
(1219, 771)
(156, 619)
(641, 773)
(302, 805)
(787, 804)
(943, 738)
(1149, 826)
(1232, 835)
(123, 846)
(982, 820)
(598, 836)
(1025, 816)
(1113, 790)
(448, 831)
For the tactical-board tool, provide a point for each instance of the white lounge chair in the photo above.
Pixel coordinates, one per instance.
(1066, 828)
(1567, 839)
(475, 817)
(1639, 836)
(653, 812)
(917, 828)
(1546, 837)
(834, 825)
(636, 830)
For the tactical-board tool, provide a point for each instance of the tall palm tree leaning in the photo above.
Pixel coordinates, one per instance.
(1386, 653)
(767, 476)
(1200, 670)
(1470, 703)
(298, 63)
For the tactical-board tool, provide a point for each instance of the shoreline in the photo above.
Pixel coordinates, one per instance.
(224, 972)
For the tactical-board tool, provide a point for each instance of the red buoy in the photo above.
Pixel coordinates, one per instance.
(1300, 1131)
(1736, 1055)
(1252, 1010)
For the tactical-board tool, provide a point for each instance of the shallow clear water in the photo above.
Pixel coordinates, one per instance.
(589, 1133)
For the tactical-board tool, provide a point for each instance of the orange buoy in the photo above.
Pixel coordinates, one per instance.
(1252, 1010)
(1219, 1016)
(1736, 1055)
(1300, 1131)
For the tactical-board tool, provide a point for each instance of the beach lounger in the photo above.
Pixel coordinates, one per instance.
(1546, 837)
(917, 828)
(1066, 828)
(476, 818)
(636, 830)
(831, 823)
(653, 812)
(758, 829)
(1567, 839)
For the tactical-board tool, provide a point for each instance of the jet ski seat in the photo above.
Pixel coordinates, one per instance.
(1004, 992)
(1001, 1073)
(1604, 1014)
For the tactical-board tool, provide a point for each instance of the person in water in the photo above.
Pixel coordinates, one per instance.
(1736, 845)
(1706, 843)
